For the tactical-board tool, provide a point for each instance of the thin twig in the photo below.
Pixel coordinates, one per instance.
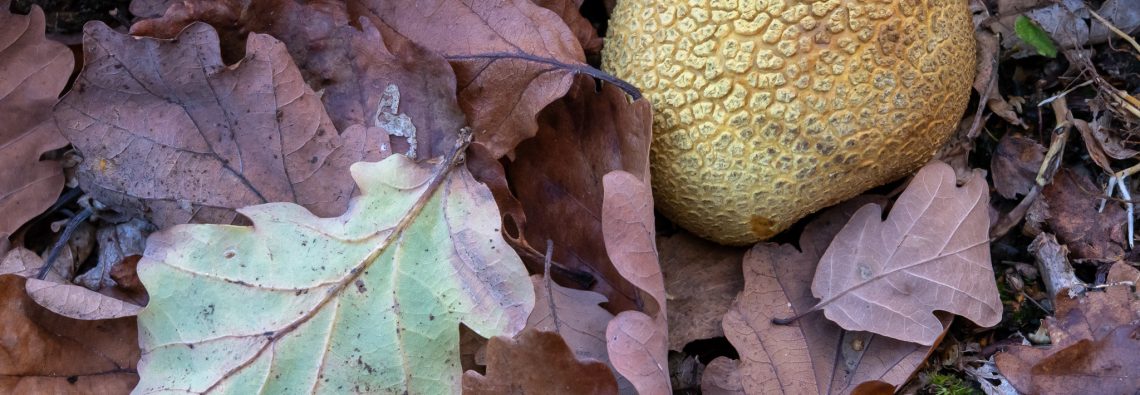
(1122, 35)
(72, 225)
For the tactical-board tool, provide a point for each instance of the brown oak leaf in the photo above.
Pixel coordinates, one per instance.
(52, 354)
(931, 254)
(364, 79)
(556, 189)
(576, 316)
(1072, 214)
(722, 377)
(512, 58)
(59, 295)
(538, 363)
(33, 70)
(582, 28)
(1014, 165)
(701, 279)
(637, 340)
(181, 137)
(813, 355)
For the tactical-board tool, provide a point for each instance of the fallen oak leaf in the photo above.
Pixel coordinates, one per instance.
(1089, 233)
(47, 353)
(636, 343)
(184, 138)
(814, 355)
(58, 295)
(582, 28)
(353, 67)
(701, 278)
(370, 301)
(511, 59)
(931, 253)
(637, 340)
(538, 362)
(34, 71)
(578, 317)
(573, 314)
(1014, 165)
(559, 174)
(722, 377)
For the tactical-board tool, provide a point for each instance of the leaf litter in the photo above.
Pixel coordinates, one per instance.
(564, 158)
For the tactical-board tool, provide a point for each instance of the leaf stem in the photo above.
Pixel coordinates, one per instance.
(586, 69)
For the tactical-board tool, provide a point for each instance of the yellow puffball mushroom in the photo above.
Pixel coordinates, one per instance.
(766, 111)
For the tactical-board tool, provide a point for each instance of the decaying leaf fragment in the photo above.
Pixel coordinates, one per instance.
(45, 353)
(931, 254)
(538, 363)
(1015, 164)
(370, 301)
(33, 70)
(1089, 233)
(184, 138)
(1096, 343)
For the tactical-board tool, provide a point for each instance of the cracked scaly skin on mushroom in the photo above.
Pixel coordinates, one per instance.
(767, 111)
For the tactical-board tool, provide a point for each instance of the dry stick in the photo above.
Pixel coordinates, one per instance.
(983, 103)
(1049, 166)
(1122, 35)
(549, 287)
(72, 225)
(1057, 142)
(1014, 216)
(579, 278)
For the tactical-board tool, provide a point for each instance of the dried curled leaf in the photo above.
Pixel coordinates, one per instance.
(57, 293)
(184, 138)
(637, 340)
(931, 254)
(370, 301)
(33, 70)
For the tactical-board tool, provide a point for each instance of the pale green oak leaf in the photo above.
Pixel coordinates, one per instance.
(368, 302)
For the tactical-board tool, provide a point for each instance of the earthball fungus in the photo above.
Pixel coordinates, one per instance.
(766, 111)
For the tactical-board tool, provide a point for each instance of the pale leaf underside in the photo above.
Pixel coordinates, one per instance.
(932, 253)
(366, 302)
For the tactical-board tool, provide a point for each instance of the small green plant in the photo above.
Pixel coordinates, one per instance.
(949, 384)
(1030, 32)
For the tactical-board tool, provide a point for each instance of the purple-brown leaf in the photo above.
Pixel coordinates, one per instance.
(931, 254)
(813, 355)
(181, 137)
(33, 70)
